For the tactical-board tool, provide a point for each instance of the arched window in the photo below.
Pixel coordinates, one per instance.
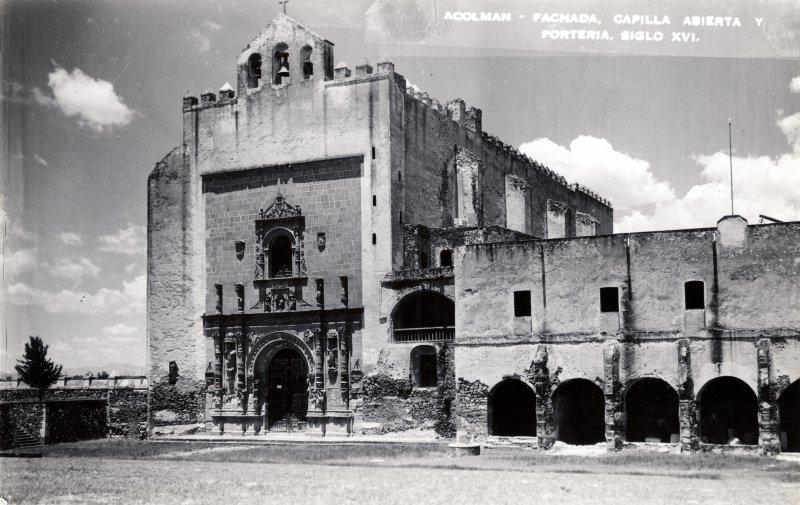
(280, 64)
(694, 295)
(512, 409)
(254, 70)
(423, 366)
(446, 258)
(423, 317)
(280, 251)
(308, 66)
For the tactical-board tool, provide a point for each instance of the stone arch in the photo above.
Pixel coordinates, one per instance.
(651, 407)
(728, 409)
(263, 347)
(579, 412)
(511, 409)
(789, 411)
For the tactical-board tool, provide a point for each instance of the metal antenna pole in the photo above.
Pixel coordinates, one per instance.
(730, 157)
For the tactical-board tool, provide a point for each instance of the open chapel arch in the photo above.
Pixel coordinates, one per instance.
(579, 412)
(424, 316)
(728, 410)
(651, 411)
(512, 409)
(789, 410)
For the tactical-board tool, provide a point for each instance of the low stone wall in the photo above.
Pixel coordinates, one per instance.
(77, 409)
(177, 404)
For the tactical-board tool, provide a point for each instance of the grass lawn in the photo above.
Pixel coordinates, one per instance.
(201, 473)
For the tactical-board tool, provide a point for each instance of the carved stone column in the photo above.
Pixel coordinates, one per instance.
(540, 376)
(612, 395)
(219, 351)
(687, 406)
(768, 429)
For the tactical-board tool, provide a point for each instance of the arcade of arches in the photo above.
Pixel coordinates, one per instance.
(727, 412)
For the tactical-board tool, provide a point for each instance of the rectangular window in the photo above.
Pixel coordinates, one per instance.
(522, 303)
(694, 295)
(609, 299)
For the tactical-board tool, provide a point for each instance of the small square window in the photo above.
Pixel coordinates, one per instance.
(522, 303)
(609, 299)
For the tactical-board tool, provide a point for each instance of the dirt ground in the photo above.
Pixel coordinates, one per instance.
(190, 474)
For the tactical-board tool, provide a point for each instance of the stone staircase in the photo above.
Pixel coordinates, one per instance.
(24, 444)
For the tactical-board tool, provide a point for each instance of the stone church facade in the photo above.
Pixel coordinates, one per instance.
(333, 252)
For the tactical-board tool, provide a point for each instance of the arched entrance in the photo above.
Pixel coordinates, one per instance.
(287, 391)
(728, 409)
(789, 409)
(512, 409)
(651, 410)
(579, 412)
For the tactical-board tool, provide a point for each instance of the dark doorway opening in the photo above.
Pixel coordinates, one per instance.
(512, 409)
(728, 410)
(651, 410)
(579, 412)
(287, 393)
(789, 409)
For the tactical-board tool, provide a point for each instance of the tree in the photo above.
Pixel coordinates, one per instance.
(102, 375)
(35, 369)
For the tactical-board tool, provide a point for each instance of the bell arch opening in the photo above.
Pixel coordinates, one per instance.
(579, 412)
(651, 411)
(512, 409)
(728, 410)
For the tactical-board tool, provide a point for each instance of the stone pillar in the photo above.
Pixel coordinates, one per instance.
(612, 393)
(687, 406)
(219, 352)
(540, 376)
(768, 429)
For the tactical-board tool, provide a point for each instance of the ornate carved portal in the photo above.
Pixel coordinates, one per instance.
(280, 266)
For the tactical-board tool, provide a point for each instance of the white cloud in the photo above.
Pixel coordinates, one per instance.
(131, 240)
(594, 163)
(131, 267)
(762, 185)
(212, 25)
(127, 301)
(73, 269)
(17, 262)
(119, 330)
(794, 85)
(93, 101)
(70, 238)
(201, 42)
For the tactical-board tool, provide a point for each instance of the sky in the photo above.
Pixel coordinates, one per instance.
(91, 99)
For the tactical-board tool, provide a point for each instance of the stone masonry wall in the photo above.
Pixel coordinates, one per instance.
(328, 192)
